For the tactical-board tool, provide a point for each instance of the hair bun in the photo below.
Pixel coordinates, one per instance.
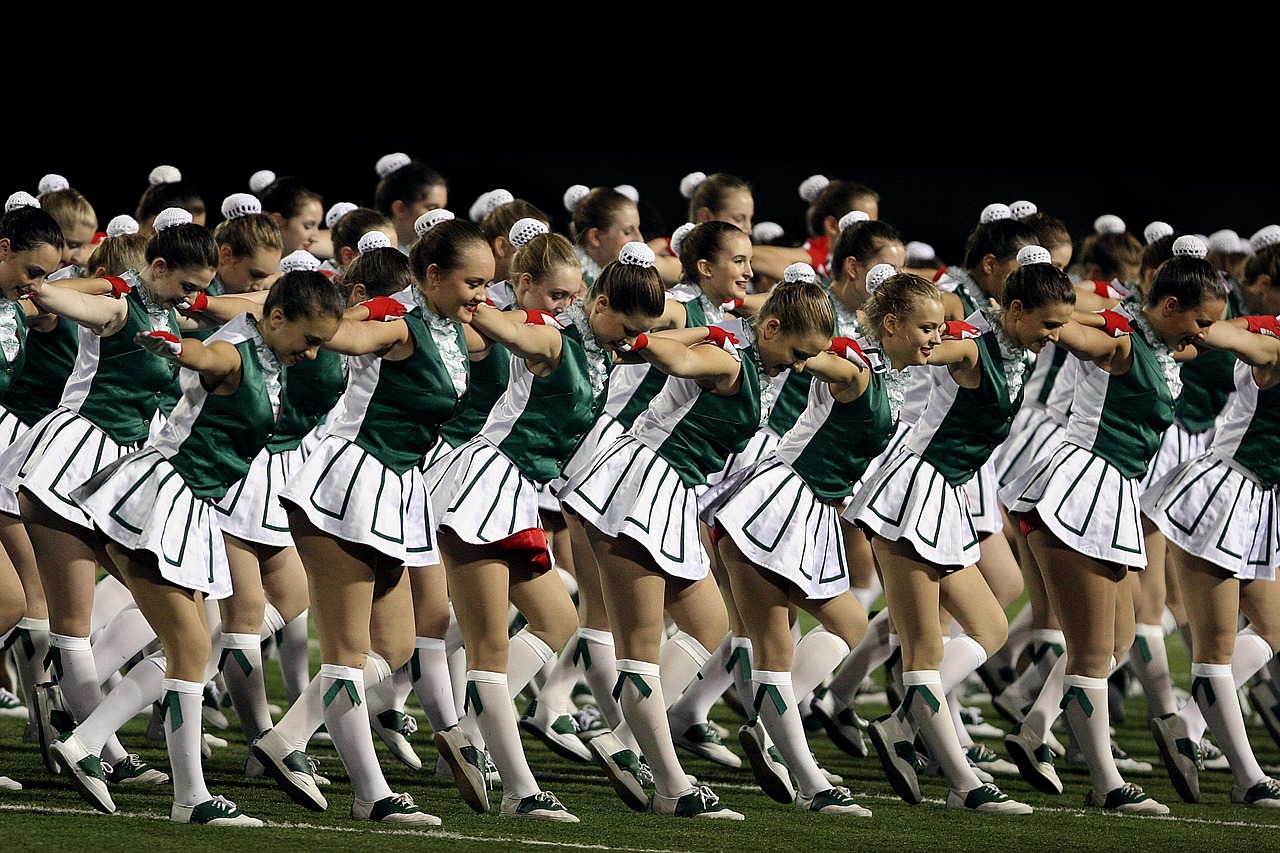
(1020, 210)
(389, 163)
(489, 202)
(689, 183)
(164, 175)
(1225, 241)
(637, 255)
(677, 237)
(170, 217)
(812, 187)
(853, 217)
(1265, 236)
(766, 232)
(52, 183)
(237, 205)
(431, 219)
(122, 224)
(21, 198)
(995, 212)
(299, 259)
(1029, 255)
(575, 194)
(919, 253)
(261, 179)
(1108, 223)
(1156, 230)
(525, 230)
(1189, 245)
(373, 240)
(629, 191)
(339, 210)
(799, 272)
(878, 275)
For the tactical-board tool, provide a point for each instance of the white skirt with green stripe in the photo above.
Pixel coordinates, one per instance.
(1086, 502)
(1215, 508)
(907, 498)
(346, 492)
(11, 429)
(1036, 431)
(478, 493)
(982, 491)
(629, 490)
(57, 455)
(251, 509)
(779, 524)
(760, 445)
(1177, 446)
(142, 503)
(602, 433)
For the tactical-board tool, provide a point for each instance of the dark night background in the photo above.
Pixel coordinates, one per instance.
(933, 179)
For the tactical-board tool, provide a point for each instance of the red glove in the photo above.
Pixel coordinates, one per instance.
(119, 287)
(384, 308)
(1115, 323)
(959, 329)
(641, 341)
(1106, 290)
(164, 344)
(196, 302)
(732, 304)
(721, 336)
(534, 317)
(1264, 324)
(847, 348)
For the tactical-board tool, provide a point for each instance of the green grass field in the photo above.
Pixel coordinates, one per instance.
(49, 815)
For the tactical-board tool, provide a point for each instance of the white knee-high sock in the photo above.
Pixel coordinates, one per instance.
(489, 699)
(925, 704)
(1007, 656)
(1251, 654)
(776, 708)
(713, 679)
(76, 673)
(526, 655)
(1214, 691)
(241, 665)
(109, 597)
(30, 648)
(817, 655)
(429, 671)
(1149, 660)
(741, 666)
(120, 639)
(557, 690)
(142, 686)
(680, 660)
(342, 692)
(1085, 704)
(600, 664)
(1047, 706)
(1046, 646)
(872, 651)
(304, 716)
(294, 652)
(639, 691)
(183, 737)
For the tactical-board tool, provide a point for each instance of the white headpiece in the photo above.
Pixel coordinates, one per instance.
(677, 237)
(164, 175)
(52, 183)
(853, 216)
(689, 183)
(299, 259)
(1022, 209)
(995, 212)
(240, 204)
(1108, 223)
(799, 272)
(261, 179)
(637, 254)
(21, 198)
(812, 186)
(878, 275)
(1191, 246)
(575, 194)
(170, 217)
(488, 202)
(431, 219)
(1225, 241)
(122, 224)
(766, 232)
(525, 230)
(336, 212)
(373, 240)
(1156, 230)
(917, 253)
(1264, 237)
(629, 191)
(389, 163)
(1029, 255)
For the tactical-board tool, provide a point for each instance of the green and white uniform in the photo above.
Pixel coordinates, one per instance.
(1087, 490)
(1041, 422)
(19, 397)
(106, 409)
(160, 498)
(1222, 505)
(918, 494)
(363, 483)
(645, 483)
(486, 490)
(784, 511)
(251, 510)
